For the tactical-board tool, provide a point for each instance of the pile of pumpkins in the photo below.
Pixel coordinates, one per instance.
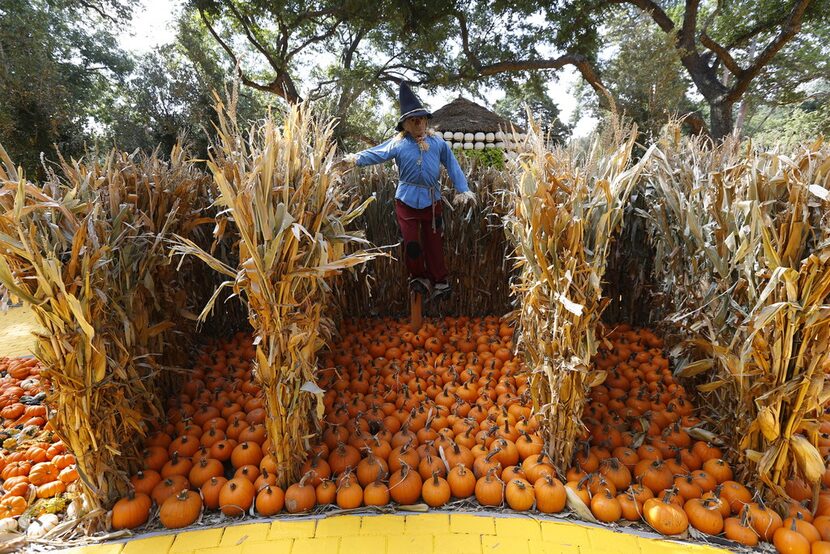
(34, 463)
(444, 414)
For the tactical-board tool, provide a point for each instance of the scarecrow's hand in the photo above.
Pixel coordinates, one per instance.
(465, 199)
(347, 162)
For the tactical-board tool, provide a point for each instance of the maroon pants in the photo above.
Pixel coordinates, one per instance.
(422, 242)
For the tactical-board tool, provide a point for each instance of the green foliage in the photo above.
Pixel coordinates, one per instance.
(58, 64)
(533, 94)
(491, 157)
(790, 125)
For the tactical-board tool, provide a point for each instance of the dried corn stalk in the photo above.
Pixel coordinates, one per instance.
(743, 257)
(279, 191)
(564, 215)
(87, 252)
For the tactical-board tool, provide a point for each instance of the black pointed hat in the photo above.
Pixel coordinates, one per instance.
(411, 106)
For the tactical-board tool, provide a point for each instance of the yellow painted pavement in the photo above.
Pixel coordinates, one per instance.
(400, 534)
(429, 533)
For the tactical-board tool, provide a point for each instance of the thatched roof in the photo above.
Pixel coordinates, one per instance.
(468, 117)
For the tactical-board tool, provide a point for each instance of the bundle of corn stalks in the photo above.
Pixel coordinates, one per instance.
(87, 252)
(476, 250)
(278, 189)
(565, 213)
(742, 239)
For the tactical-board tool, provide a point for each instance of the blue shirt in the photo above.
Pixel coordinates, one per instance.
(418, 185)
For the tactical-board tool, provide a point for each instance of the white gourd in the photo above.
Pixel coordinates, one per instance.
(500, 144)
(489, 145)
(35, 530)
(48, 521)
(8, 525)
(490, 137)
(479, 146)
(480, 137)
(457, 145)
(458, 136)
(448, 135)
(499, 136)
(468, 146)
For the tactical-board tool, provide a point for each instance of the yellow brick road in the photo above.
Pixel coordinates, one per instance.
(396, 534)
(399, 534)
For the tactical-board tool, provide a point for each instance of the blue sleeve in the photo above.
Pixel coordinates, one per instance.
(378, 154)
(457, 177)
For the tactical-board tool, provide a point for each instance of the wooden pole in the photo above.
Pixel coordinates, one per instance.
(415, 310)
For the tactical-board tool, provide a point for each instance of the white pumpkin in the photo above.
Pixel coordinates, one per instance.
(499, 136)
(469, 137)
(490, 137)
(500, 144)
(489, 145)
(468, 146)
(8, 525)
(479, 146)
(48, 521)
(457, 145)
(458, 136)
(480, 137)
(448, 135)
(35, 530)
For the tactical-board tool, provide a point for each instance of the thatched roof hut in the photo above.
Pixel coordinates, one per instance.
(467, 125)
(468, 117)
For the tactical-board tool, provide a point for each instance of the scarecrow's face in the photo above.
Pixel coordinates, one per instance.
(416, 126)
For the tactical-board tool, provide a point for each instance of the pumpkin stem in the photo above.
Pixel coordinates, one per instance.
(435, 478)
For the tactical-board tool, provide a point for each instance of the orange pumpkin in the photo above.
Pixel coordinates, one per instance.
(131, 511)
(181, 509)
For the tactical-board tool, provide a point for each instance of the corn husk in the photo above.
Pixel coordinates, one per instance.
(277, 186)
(87, 251)
(742, 242)
(565, 212)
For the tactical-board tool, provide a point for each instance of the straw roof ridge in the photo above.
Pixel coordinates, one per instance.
(468, 117)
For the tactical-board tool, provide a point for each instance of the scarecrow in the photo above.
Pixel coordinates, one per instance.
(418, 153)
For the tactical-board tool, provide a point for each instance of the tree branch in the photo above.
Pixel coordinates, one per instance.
(656, 12)
(722, 53)
(789, 29)
(315, 38)
(253, 40)
(352, 48)
(465, 40)
(579, 61)
(282, 85)
(97, 9)
(687, 33)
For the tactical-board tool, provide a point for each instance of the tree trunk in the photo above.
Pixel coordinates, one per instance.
(720, 118)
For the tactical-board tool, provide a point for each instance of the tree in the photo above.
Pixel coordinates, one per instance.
(533, 94)
(722, 48)
(642, 72)
(170, 96)
(792, 124)
(57, 62)
(725, 47)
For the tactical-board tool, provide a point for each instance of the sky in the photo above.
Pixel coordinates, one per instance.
(153, 26)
